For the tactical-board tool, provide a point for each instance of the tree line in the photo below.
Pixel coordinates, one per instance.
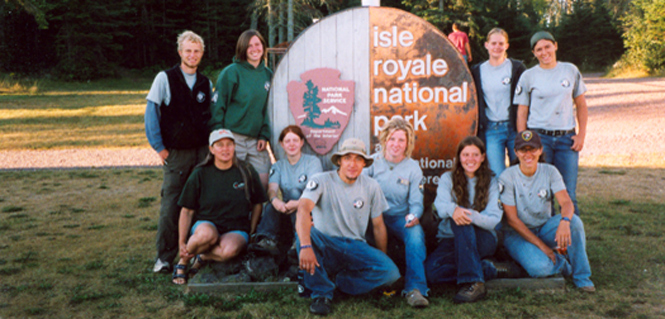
(89, 39)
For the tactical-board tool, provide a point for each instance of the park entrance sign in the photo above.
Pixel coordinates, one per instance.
(351, 72)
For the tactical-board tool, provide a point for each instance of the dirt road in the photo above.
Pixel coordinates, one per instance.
(626, 123)
(626, 129)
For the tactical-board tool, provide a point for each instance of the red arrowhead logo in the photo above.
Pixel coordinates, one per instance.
(321, 104)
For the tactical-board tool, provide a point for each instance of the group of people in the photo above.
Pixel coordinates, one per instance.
(213, 146)
(220, 191)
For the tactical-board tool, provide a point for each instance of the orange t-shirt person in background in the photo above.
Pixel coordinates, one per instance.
(461, 42)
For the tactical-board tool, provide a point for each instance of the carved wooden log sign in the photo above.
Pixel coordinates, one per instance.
(351, 72)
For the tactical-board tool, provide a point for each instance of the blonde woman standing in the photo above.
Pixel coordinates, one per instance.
(496, 80)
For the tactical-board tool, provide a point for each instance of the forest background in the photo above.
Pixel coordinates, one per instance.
(80, 40)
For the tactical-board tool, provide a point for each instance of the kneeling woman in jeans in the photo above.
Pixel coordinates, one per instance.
(467, 200)
(215, 220)
(543, 244)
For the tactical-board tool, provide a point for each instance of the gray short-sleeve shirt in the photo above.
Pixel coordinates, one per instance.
(550, 94)
(496, 81)
(532, 195)
(292, 179)
(344, 210)
(400, 184)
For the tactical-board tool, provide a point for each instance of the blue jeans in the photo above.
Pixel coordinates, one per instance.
(558, 153)
(414, 250)
(536, 262)
(272, 221)
(356, 266)
(499, 137)
(460, 259)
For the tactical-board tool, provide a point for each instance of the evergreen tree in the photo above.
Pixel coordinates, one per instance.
(587, 37)
(89, 38)
(25, 48)
(505, 14)
(645, 35)
(311, 105)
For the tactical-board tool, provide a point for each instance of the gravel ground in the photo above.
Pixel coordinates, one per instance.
(626, 129)
(626, 123)
(78, 158)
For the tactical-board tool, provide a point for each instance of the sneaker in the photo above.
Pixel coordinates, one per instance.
(416, 299)
(161, 266)
(321, 306)
(471, 293)
(588, 289)
(269, 245)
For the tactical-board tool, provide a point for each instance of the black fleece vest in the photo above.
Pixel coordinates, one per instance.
(184, 122)
(516, 71)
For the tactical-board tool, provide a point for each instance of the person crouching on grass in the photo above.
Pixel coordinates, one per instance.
(544, 244)
(216, 201)
(333, 251)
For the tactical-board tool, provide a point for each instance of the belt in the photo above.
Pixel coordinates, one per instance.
(554, 133)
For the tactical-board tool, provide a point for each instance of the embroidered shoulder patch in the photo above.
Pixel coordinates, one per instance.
(312, 185)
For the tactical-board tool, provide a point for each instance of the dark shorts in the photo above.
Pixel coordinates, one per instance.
(200, 222)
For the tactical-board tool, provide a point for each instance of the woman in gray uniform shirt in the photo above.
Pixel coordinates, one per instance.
(543, 243)
(547, 95)
(400, 176)
(290, 176)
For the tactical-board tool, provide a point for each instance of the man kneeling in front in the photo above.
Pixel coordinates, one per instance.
(341, 204)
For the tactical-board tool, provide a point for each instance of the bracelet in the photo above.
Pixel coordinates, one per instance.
(565, 218)
(272, 199)
(305, 246)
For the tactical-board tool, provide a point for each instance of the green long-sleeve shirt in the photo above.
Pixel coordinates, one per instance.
(241, 100)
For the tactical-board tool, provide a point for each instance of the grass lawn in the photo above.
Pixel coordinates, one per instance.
(80, 244)
(56, 115)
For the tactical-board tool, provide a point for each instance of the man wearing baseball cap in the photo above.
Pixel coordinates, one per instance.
(342, 203)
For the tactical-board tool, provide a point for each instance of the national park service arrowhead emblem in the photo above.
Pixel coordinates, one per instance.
(322, 105)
